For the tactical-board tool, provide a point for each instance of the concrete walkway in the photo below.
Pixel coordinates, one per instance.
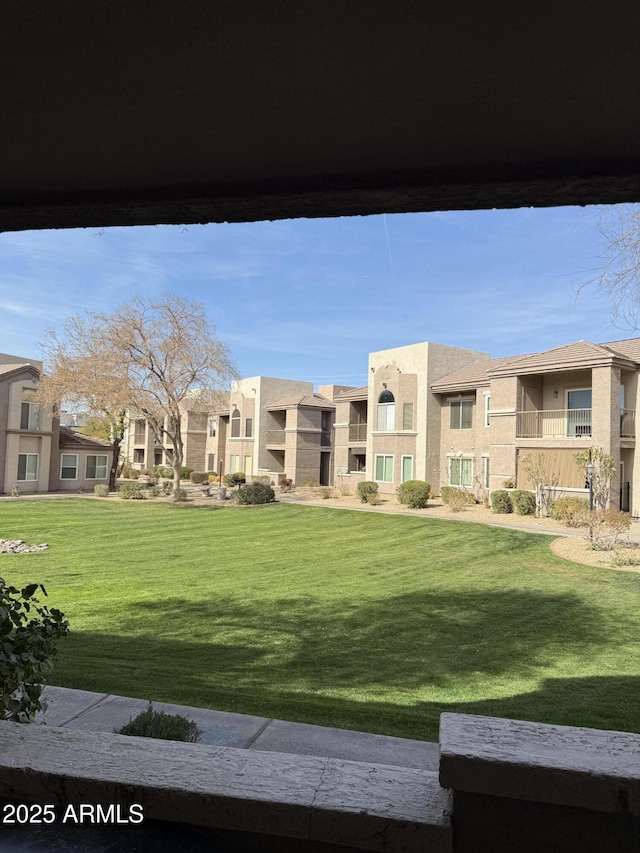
(81, 710)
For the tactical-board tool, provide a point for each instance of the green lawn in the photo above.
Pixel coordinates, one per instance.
(335, 617)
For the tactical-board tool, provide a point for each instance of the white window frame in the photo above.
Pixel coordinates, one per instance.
(105, 465)
(375, 465)
(234, 463)
(248, 427)
(404, 479)
(248, 463)
(211, 457)
(386, 417)
(212, 427)
(236, 421)
(63, 466)
(460, 458)
(486, 471)
(460, 402)
(487, 408)
(33, 415)
(27, 478)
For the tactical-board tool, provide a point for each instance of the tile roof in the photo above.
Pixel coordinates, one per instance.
(308, 400)
(579, 354)
(71, 438)
(8, 368)
(354, 394)
(471, 375)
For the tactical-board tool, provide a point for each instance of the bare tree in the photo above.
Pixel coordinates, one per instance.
(604, 471)
(619, 278)
(543, 476)
(162, 358)
(81, 370)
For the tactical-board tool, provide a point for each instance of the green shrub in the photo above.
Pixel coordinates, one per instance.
(160, 725)
(414, 493)
(264, 479)
(101, 490)
(163, 471)
(152, 480)
(185, 472)
(366, 491)
(501, 502)
(571, 510)
(199, 477)
(155, 491)
(29, 634)
(179, 495)
(134, 474)
(255, 493)
(131, 492)
(524, 502)
(167, 488)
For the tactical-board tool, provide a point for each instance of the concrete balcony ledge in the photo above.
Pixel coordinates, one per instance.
(366, 806)
(588, 769)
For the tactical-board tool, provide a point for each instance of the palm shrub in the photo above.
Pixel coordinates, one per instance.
(414, 493)
(501, 502)
(524, 502)
(367, 491)
(29, 633)
(158, 724)
(255, 493)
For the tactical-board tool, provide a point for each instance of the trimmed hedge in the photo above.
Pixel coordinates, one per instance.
(524, 502)
(199, 477)
(255, 493)
(101, 490)
(414, 493)
(501, 502)
(367, 491)
(571, 510)
(132, 492)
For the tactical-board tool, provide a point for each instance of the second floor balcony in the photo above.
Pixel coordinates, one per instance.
(357, 432)
(567, 423)
(276, 436)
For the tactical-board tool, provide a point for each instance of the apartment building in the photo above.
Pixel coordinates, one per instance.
(495, 412)
(36, 453)
(448, 415)
(389, 430)
(274, 427)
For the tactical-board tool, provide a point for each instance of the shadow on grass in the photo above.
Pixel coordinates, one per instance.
(289, 658)
(409, 640)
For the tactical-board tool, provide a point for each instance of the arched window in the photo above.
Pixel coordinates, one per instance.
(235, 424)
(386, 411)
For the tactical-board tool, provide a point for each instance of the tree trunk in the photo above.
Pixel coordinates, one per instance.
(113, 473)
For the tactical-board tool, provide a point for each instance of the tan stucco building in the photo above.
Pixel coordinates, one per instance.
(36, 453)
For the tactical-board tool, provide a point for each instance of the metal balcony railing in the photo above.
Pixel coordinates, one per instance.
(357, 432)
(567, 423)
(554, 423)
(275, 436)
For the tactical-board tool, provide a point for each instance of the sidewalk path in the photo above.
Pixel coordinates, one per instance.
(82, 710)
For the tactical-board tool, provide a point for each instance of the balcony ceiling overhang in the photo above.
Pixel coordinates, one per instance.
(158, 111)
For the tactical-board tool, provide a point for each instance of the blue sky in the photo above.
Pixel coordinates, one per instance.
(310, 298)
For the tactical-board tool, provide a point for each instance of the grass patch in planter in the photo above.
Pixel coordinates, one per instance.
(158, 724)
